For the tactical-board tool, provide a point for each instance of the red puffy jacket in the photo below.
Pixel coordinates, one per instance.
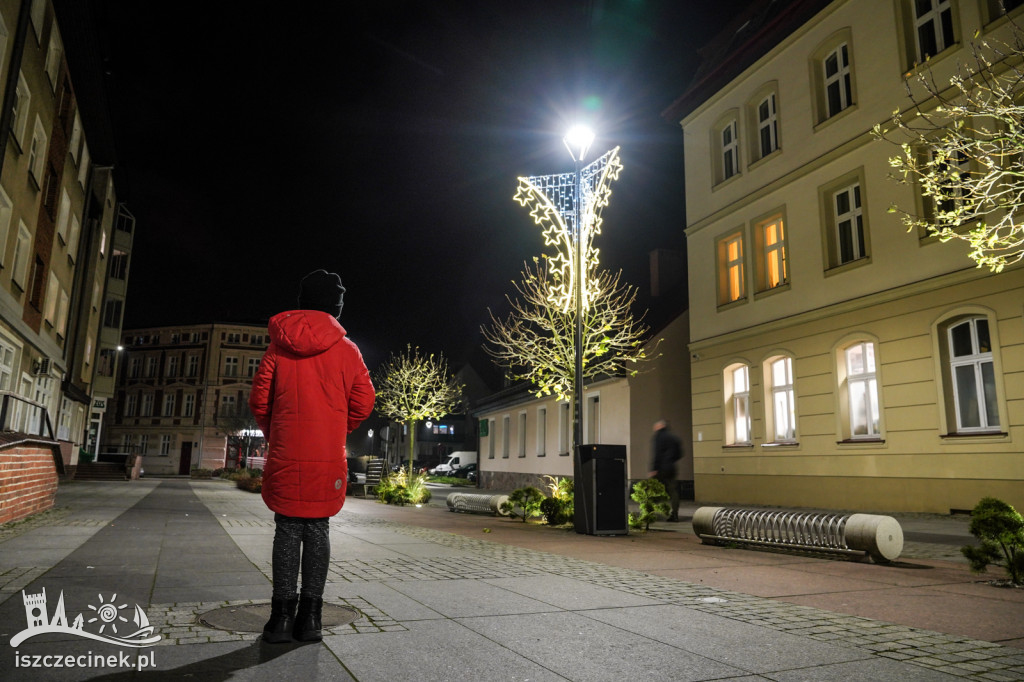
(311, 390)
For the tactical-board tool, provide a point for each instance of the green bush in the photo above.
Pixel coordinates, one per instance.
(527, 500)
(201, 473)
(253, 484)
(398, 488)
(1000, 528)
(650, 494)
(558, 509)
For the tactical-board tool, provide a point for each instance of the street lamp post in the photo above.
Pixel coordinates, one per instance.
(578, 141)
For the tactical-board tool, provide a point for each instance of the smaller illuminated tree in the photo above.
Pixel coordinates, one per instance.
(963, 147)
(412, 387)
(535, 341)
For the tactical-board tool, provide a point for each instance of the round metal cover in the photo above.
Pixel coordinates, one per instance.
(252, 617)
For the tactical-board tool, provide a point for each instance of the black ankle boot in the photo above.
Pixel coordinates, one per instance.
(282, 618)
(308, 620)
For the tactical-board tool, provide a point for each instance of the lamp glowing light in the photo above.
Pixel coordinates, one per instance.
(578, 141)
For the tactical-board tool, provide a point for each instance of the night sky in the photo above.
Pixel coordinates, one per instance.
(259, 141)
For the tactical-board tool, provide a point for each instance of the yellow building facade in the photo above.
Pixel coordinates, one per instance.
(839, 361)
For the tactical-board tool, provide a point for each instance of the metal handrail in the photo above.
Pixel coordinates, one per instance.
(33, 420)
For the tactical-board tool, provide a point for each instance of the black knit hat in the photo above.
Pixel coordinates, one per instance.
(322, 290)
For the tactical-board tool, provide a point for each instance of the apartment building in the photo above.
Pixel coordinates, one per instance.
(182, 395)
(838, 360)
(65, 238)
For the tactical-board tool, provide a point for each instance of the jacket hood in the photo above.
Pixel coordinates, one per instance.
(305, 332)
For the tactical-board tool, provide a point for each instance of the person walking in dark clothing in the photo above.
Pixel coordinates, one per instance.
(666, 450)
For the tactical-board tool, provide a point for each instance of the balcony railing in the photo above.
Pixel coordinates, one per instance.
(24, 416)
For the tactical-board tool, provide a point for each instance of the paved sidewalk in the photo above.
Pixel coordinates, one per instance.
(447, 596)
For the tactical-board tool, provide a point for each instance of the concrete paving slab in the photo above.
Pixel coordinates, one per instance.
(209, 578)
(249, 661)
(580, 648)
(213, 593)
(863, 671)
(567, 593)
(725, 640)
(399, 606)
(771, 581)
(462, 598)
(442, 650)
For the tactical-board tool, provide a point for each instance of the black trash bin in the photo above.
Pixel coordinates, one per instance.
(600, 485)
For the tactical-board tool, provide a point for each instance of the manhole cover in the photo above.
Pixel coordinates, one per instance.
(252, 617)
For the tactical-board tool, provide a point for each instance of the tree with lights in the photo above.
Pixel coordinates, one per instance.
(412, 387)
(963, 146)
(535, 341)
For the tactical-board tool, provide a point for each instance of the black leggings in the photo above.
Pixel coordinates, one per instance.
(312, 539)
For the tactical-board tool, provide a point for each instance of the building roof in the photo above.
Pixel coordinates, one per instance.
(747, 38)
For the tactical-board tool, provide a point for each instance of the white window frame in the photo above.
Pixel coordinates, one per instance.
(521, 433)
(252, 365)
(131, 405)
(22, 100)
(542, 431)
(165, 444)
(188, 408)
(774, 251)
(50, 304)
(228, 405)
(933, 18)
(37, 152)
(492, 436)
(976, 361)
(54, 51)
(863, 383)
(854, 216)
(171, 369)
(593, 417)
(63, 216)
(22, 256)
(729, 150)
(738, 391)
(151, 366)
(564, 429)
(767, 125)
(841, 79)
(231, 366)
(8, 364)
(143, 443)
(783, 400)
(193, 366)
(146, 405)
(6, 217)
(506, 426)
(62, 313)
(168, 408)
(74, 146)
(734, 269)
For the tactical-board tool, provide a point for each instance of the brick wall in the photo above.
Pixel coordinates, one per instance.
(28, 481)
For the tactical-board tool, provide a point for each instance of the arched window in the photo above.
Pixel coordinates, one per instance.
(862, 411)
(781, 397)
(736, 380)
(973, 375)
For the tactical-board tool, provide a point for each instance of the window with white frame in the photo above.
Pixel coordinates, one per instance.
(737, 394)
(4, 37)
(862, 390)
(973, 375)
(228, 404)
(593, 404)
(37, 12)
(168, 404)
(542, 431)
(171, 370)
(50, 304)
(143, 444)
(165, 444)
(62, 314)
(6, 216)
(151, 363)
(783, 400)
(231, 366)
(849, 224)
(521, 434)
(7, 357)
(957, 169)
(729, 149)
(74, 146)
(193, 365)
(53, 55)
(188, 407)
(135, 368)
(838, 86)
(37, 152)
(773, 268)
(732, 277)
(492, 435)
(19, 270)
(74, 232)
(933, 27)
(147, 405)
(83, 173)
(564, 429)
(253, 364)
(19, 115)
(767, 126)
(131, 405)
(505, 436)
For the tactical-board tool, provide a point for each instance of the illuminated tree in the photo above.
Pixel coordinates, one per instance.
(535, 341)
(412, 387)
(963, 147)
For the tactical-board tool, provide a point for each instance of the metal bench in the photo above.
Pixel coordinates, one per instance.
(374, 472)
(478, 503)
(881, 537)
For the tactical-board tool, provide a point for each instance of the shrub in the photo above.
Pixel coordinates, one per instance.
(527, 499)
(201, 473)
(218, 472)
(253, 484)
(1000, 528)
(558, 508)
(400, 489)
(653, 500)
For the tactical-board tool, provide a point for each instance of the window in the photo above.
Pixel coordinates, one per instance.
(6, 213)
(4, 36)
(849, 221)
(227, 406)
(933, 27)
(53, 55)
(131, 405)
(135, 368)
(505, 424)
(50, 303)
(564, 429)
(37, 152)
(63, 216)
(108, 360)
(147, 405)
(171, 370)
(542, 431)
(767, 126)
(772, 265)
(188, 407)
(151, 362)
(193, 366)
(838, 87)
(593, 419)
(165, 444)
(729, 150)
(19, 115)
(75, 231)
(973, 376)
(76, 138)
(861, 391)
(846, 237)
(737, 391)
(957, 168)
(253, 364)
(521, 433)
(37, 12)
(143, 444)
(231, 366)
(19, 270)
(62, 315)
(782, 412)
(731, 279)
(492, 435)
(7, 355)
(83, 168)
(168, 404)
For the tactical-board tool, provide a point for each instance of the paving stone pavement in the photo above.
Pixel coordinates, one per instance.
(436, 604)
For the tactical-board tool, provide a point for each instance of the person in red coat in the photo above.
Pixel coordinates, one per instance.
(311, 390)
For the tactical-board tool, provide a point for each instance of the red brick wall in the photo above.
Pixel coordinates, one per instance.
(28, 481)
